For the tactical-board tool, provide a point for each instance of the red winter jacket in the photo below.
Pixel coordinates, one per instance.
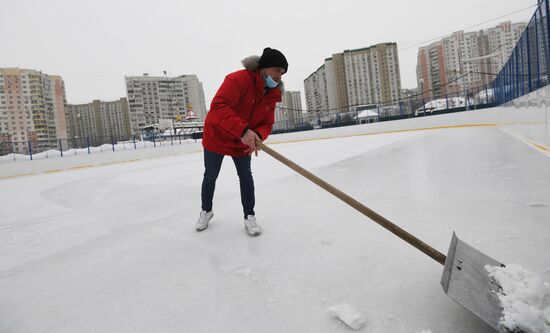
(240, 103)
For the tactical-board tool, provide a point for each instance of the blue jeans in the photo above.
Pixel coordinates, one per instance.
(212, 166)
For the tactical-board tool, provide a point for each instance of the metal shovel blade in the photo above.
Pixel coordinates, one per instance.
(466, 281)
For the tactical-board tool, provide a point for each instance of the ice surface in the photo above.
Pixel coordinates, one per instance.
(349, 315)
(525, 299)
(113, 248)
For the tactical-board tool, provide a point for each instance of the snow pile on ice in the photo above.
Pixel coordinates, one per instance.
(349, 315)
(525, 299)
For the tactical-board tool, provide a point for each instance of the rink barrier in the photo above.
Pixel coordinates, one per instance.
(277, 142)
(539, 147)
(386, 132)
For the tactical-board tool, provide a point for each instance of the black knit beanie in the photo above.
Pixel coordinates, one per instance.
(273, 58)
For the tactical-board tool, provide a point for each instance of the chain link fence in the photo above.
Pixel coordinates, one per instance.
(527, 68)
(473, 98)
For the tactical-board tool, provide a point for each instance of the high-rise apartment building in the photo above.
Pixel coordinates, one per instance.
(151, 98)
(99, 122)
(288, 112)
(316, 89)
(368, 75)
(501, 41)
(465, 60)
(32, 108)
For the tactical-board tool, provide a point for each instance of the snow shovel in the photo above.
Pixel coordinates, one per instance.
(464, 278)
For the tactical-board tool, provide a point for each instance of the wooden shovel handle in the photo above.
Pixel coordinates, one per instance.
(433, 253)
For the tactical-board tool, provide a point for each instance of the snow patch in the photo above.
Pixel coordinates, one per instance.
(524, 297)
(349, 315)
(237, 270)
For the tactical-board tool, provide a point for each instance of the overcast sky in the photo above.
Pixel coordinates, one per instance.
(94, 44)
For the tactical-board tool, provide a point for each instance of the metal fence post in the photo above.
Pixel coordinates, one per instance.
(547, 42)
(522, 67)
(528, 60)
(495, 89)
(500, 89)
(61, 147)
(503, 78)
(510, 74)
(506, 79)
(423, 106)
(537, 46)
(30, 149)
(511, 81)
(515, 55)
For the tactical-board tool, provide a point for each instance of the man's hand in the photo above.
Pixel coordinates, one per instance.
(249, 138)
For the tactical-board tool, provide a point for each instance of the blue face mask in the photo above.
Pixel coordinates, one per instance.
(269, 82)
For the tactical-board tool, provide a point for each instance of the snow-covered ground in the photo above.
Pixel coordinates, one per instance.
(112, 248)
(482, 97)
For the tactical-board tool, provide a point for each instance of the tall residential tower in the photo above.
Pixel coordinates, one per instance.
(465, 60)
(99, 122)
(32, 108)
(151, 98)
(288, 112)
(368, 75)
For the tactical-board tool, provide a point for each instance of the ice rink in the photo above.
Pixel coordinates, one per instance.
(112, 248)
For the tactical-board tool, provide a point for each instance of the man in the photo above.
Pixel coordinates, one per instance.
(241, 113)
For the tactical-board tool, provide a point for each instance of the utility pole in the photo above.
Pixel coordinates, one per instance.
(465, 91)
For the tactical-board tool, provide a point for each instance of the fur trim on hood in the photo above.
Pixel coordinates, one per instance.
(252, 62)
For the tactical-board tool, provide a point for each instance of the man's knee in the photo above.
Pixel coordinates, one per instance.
(245, 174)
(210, 176)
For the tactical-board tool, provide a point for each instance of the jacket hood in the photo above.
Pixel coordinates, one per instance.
(252, 63)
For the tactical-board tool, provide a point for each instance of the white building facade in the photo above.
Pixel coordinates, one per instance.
(99, 122)
(369, 75)
(151, 98)
(316, 90)
(32, 108)
(465, 61)
(289, 113)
